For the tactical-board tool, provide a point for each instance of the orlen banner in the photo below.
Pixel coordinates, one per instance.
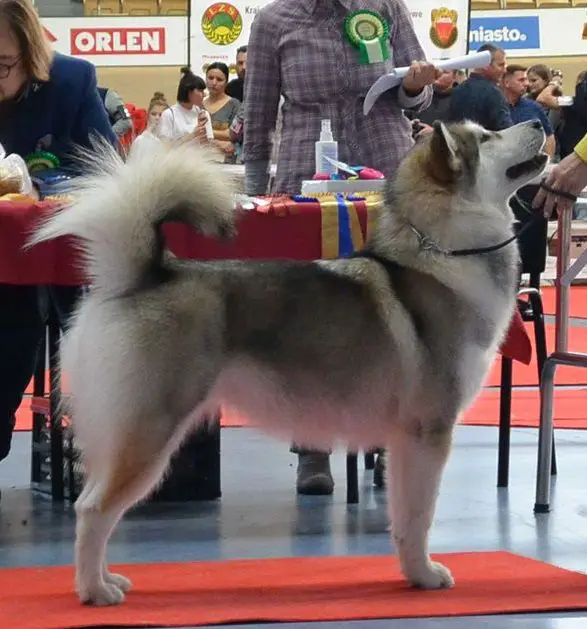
(121, 41)
(219, 28)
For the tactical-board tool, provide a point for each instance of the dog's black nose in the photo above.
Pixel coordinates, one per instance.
(536, 124)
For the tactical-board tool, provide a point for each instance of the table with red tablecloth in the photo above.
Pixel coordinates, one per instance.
(284, 229)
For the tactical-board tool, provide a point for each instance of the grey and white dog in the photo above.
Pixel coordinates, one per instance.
(384, 349)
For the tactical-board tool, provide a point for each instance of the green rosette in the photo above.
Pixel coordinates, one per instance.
(368, 31)
(41, 160)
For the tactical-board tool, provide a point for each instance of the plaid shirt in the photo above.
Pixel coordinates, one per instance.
(297, 48)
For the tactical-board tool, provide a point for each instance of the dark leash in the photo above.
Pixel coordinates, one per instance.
(456, 253)
(535, 217)
(558, 193)
(427, 244)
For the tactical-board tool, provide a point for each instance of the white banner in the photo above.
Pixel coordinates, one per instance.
(532, 33)
(121, 41)
(219, 28)
(441, 27)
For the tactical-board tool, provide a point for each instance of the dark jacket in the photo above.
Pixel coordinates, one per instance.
(480, 100)
(57, 115)
(439, 108)
(235, 89)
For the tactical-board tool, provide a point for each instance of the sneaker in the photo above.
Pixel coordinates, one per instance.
(314, 476)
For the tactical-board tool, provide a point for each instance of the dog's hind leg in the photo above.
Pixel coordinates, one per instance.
(415, 465)
(123, 478)
(118, 580)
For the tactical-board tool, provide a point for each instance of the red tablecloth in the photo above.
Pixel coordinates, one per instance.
(286, 230)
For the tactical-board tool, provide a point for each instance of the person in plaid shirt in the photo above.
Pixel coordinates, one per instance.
(301, 51)
(298, 49)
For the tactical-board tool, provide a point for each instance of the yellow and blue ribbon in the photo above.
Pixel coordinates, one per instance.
(341, 228)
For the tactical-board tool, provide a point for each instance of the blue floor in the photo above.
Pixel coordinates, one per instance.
(259, 516)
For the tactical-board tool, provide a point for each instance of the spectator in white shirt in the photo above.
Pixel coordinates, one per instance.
(184, 120)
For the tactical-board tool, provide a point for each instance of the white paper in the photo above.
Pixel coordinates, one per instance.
(393, 79)
(246, 202)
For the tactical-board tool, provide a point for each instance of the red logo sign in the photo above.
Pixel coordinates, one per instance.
(117, 41)
(49, 35)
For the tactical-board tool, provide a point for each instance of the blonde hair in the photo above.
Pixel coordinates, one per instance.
(23, 21)
(158, 100)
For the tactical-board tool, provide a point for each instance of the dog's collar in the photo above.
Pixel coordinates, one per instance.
(427, 244)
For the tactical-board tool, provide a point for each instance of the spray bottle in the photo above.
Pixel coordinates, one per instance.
(326, 147)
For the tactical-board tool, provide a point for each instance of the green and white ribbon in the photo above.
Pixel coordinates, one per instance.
(369, 33)
(41, 160)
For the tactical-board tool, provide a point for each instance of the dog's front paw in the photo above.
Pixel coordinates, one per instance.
(434, 577)
(119, 580)
(102, 595)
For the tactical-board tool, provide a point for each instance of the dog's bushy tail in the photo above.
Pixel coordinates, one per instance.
(120, 206)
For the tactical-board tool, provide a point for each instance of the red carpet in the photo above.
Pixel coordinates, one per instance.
(288, 590)
(525, 409)
(527, 375)
(570, 411)
(578, 301)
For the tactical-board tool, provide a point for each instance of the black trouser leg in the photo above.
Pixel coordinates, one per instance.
(64, 300)
(301, 450)
(21, 330)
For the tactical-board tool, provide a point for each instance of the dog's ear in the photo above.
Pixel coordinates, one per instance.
(446, 162)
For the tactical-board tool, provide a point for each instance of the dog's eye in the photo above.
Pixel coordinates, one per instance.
(485, 138)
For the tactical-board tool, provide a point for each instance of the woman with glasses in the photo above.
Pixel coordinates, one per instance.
(49, 104)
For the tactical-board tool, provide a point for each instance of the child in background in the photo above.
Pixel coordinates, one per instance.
(155, 110)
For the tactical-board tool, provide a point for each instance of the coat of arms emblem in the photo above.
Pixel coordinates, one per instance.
(443, 30)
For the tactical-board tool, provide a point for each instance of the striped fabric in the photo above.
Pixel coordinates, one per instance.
(346, 222)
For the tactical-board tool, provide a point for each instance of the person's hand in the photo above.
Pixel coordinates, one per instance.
(227, 148)
(424, 129)
(570, 176)
(420, 74)
(199, 133)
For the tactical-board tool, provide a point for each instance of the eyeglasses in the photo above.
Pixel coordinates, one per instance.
(6, 68)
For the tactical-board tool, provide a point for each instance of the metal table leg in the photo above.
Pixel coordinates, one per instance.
(505, 418)
(55, 415)
(352, 479)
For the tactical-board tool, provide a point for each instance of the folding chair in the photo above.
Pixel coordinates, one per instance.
(532, 245)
